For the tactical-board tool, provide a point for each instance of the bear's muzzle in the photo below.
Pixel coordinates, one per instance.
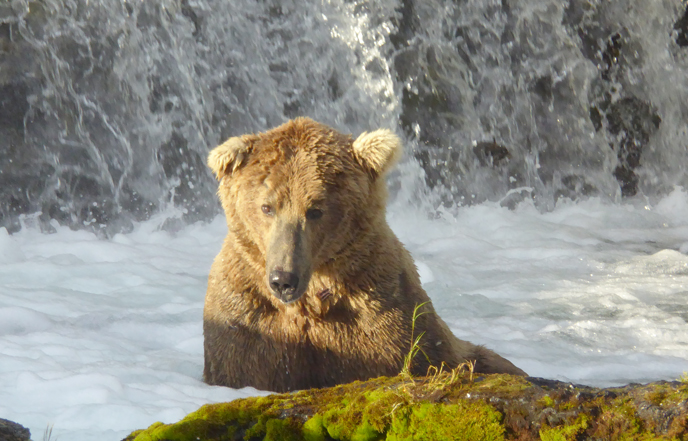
(284, 285)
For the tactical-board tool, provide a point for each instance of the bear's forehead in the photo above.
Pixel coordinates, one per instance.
(303, 134)
(305, 145)
(309, 150)
(300, 175)
(302, 160)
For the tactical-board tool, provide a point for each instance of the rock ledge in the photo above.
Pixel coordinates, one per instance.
(451, 407)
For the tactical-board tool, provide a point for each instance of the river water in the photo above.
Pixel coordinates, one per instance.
(102, 337)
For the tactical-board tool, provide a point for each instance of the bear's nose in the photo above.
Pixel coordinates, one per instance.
(284, 284)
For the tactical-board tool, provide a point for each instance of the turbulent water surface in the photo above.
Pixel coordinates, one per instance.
(101, 337)
(542, 192)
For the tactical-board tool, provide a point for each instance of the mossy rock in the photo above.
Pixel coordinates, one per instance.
(492, 407)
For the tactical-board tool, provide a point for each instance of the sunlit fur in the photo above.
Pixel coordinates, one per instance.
(380, 150)
(363, 328)
(227, 157)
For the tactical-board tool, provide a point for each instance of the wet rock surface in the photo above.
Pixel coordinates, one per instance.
(11, 431)
(681, 28)
(628, 121)
(493, 78)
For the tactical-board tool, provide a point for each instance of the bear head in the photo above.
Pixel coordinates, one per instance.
(300, 200)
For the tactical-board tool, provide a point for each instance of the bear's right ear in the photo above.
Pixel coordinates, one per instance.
(378, 151)
(228, 156)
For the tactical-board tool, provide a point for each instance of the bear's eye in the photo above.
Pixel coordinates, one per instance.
(267, 210)
(314, 214)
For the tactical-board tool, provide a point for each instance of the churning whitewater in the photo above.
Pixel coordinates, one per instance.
(99, 338)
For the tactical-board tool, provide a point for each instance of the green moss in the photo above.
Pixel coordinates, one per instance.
(546, 401)
(258, 417)
(667, 394)
(684, 378)
(619, 421)
(568, 405)
(282, 430)
(374, 417)
(505, 385)
(134, 434)
(270, 428)
(567, 432)
(399, 409)
(656, 396)
(389, 413)
(313, 429)
(361, 418)
(464, 421)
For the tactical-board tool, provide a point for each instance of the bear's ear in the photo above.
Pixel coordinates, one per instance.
(228, 156)
(378, 150)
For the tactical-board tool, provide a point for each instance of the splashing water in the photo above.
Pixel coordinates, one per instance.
(108, 108)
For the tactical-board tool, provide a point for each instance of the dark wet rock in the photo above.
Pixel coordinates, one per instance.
(628, 121)
(681, 28)
(189, 12)
(406, 24)
(631, 122)
(610, 56)
(574, 186)
(11, 431)
(77, 146)
(187, 168)
(491, 154)
(13, 104)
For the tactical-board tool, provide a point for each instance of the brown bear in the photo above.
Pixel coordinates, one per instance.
(311, 287)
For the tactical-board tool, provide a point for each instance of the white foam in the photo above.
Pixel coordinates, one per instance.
(103, 337)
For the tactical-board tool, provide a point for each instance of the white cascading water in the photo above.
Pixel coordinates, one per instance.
(110, 107)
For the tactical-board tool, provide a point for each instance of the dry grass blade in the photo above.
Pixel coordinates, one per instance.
(415, 342)
(48, 433)
(436, 380)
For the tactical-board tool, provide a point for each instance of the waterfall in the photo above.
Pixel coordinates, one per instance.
(109, 107)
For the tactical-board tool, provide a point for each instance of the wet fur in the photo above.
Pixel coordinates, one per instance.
(362, 327)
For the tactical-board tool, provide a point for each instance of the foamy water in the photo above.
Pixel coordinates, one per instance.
(99, 338)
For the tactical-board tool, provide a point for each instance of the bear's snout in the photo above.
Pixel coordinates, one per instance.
(284, 284)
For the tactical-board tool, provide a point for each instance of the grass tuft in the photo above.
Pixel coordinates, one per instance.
(437, 380)
(48, 433)
(415, 342)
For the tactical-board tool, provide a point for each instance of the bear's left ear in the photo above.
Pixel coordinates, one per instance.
(378, 150)
(228, 156)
